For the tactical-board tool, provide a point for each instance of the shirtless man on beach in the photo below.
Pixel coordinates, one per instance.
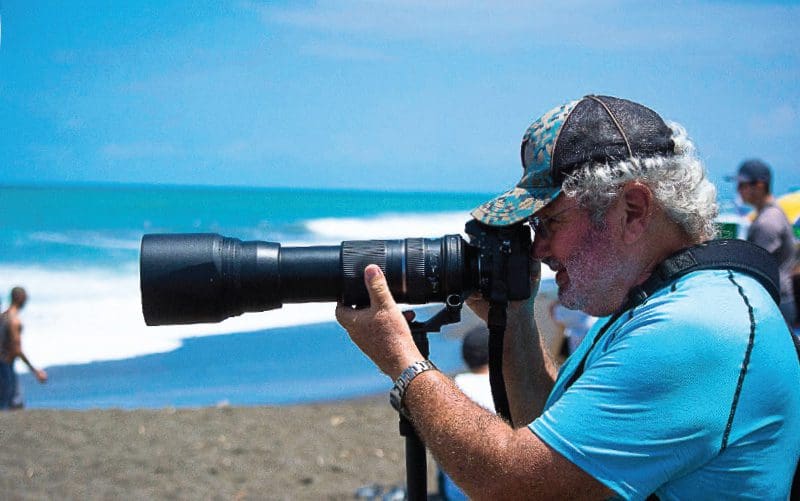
(11, 349)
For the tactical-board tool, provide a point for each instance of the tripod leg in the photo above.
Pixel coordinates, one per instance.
(416, 463)
(416, 457)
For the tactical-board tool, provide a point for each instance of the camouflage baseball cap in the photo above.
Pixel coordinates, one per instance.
(591, 129)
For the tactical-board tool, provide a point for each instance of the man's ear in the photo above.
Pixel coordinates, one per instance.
(637, 205)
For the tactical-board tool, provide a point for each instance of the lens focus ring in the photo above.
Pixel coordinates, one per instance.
(356, 255)
(417, 289)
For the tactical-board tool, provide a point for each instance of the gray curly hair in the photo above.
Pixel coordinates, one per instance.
(678, 182)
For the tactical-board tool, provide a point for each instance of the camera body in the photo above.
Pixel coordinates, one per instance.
(197, 278)
(504, 253)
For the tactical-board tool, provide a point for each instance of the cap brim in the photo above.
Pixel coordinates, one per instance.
(743, 179)
(514, 205)
(737, 178)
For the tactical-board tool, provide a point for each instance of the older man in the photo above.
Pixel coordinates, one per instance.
(687, 392)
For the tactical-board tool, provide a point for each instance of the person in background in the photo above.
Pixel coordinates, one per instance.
(11, 350)
(475, 384)
(770, 229)
(796, 287)
(689, 392)
(575, 324)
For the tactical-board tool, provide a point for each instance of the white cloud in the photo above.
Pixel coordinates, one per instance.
(514, 25)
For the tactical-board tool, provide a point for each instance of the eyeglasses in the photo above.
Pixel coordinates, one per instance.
(542, 226)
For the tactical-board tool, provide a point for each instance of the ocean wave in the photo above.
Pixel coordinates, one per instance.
(321, 231)
(387, 226)
(88, 314)
(92, 239)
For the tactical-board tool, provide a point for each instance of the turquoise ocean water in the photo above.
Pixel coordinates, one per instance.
(76, 249)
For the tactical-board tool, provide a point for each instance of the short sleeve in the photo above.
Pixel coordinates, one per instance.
(767, 230)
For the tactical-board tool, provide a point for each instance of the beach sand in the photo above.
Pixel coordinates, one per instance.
(319, 451)
(313, 451)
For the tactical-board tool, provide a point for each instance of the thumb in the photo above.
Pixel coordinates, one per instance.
(378, 289)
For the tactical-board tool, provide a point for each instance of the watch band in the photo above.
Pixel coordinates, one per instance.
(398, 391)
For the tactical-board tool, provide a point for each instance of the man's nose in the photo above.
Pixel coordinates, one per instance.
(541, 247)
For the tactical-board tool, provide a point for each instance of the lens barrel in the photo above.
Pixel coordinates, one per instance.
(196, 278)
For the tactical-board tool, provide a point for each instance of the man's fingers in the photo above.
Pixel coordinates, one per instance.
(379, 294)
(345, 315)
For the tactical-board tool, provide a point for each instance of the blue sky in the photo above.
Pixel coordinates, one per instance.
(372, 94)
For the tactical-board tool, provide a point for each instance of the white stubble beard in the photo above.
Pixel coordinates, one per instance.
(595, 272)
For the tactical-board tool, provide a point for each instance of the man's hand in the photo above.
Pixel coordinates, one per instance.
(380, 331)
(41, 375)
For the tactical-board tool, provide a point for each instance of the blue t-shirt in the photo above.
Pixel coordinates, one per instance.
(681, 397)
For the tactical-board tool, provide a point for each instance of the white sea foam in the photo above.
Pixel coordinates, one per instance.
(91, 239)
(388, 226)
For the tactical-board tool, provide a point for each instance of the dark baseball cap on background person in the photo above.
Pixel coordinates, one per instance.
(591, 129)
(475, 347)
(752, 171)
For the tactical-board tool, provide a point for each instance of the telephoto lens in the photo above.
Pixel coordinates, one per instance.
(198, 278)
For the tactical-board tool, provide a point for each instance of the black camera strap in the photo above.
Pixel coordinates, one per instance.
(497, 330)
(737, 255)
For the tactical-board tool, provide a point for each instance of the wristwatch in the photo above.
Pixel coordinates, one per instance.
(398, 391)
